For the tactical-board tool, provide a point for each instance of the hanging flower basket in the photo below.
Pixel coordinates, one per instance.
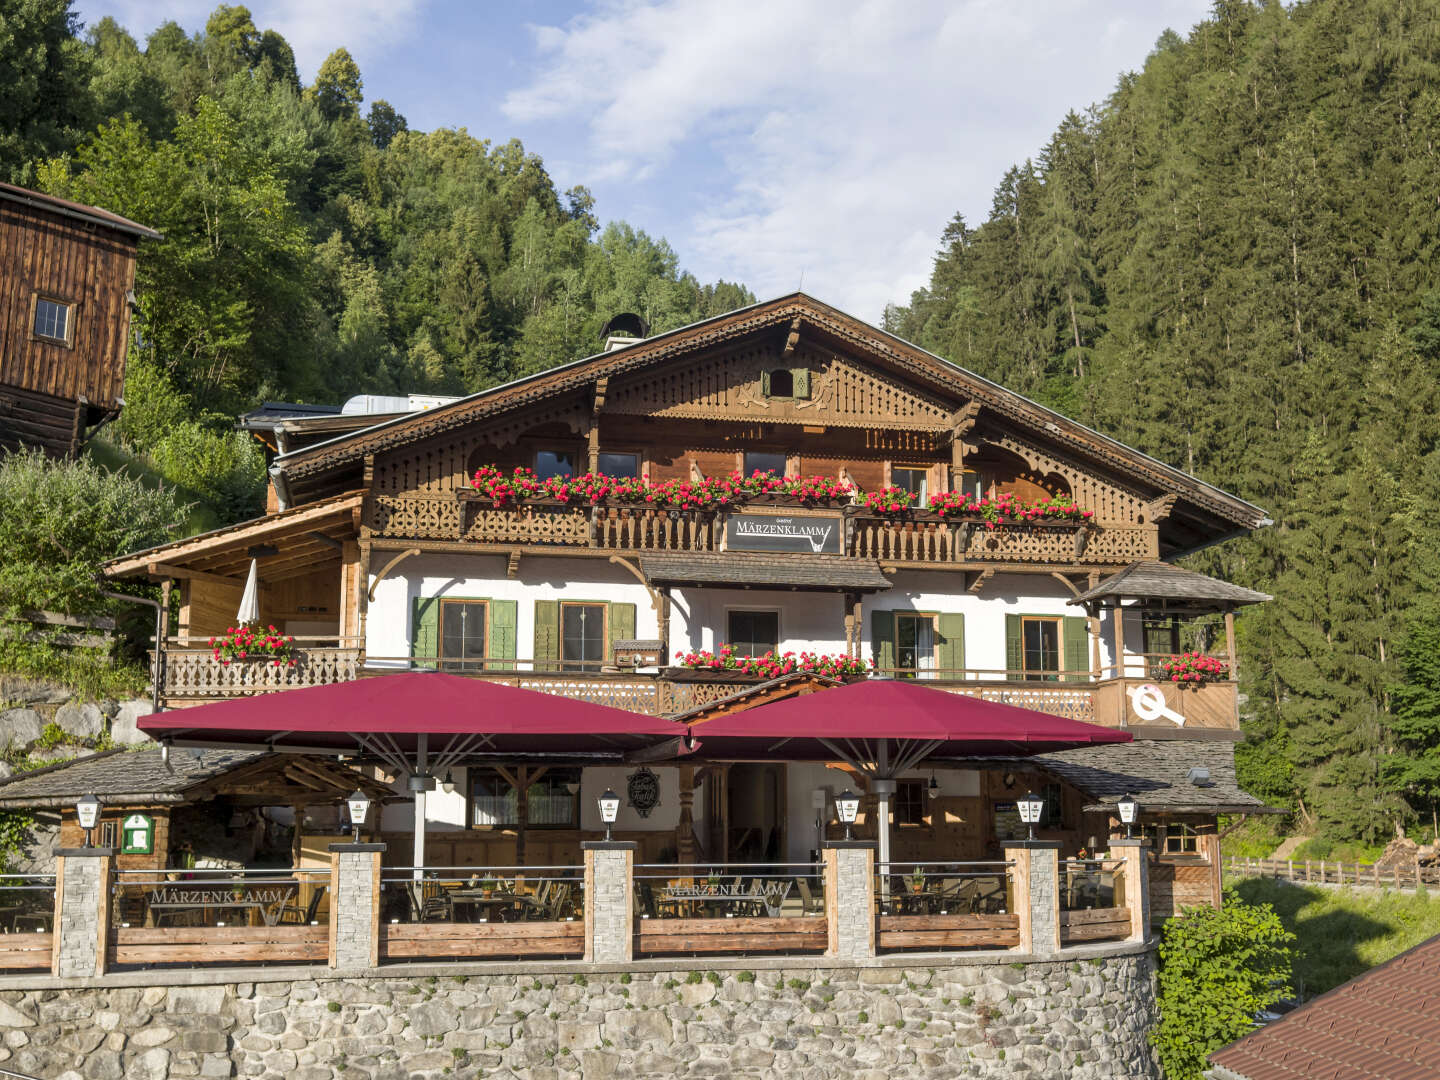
(772, 665)
(254, 644)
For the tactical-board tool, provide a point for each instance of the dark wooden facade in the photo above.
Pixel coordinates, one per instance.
(57, 381)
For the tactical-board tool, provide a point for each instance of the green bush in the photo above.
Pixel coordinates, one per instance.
(1218, 970)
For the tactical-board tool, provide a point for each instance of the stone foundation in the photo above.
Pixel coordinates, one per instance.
(942, 1017)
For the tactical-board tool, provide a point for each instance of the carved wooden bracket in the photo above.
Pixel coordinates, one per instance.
(512, 564)
(1065, 581)
(979, 583)
(385, 570)
(657, 600)
(963, 420)
(1159, 509)
(792, 339)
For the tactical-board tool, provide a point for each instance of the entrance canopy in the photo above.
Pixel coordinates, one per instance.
(896, 721)
(393, 718)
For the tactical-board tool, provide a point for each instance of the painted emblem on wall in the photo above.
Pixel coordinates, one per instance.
(643, 789)
(137, 835)
(1148, 701)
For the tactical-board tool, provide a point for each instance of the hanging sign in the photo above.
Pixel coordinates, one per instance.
(1148, 701)
(818, 534)
(137, 835)
(643, 788)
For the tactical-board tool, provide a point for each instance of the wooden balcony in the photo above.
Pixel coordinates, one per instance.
(193, 675)
(922, 541)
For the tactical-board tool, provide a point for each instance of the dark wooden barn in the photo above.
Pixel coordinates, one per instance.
(67, 272)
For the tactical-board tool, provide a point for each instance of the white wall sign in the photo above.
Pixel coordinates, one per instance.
(1148, 701)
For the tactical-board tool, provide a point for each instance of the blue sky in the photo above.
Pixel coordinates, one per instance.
(767, 140)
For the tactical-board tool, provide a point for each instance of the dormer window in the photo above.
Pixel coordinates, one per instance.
(782, 383)
(785, 383)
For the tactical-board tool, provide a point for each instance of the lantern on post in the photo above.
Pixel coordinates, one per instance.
(609, 810)
(1128, 808)
(847, 806)
(359, 806)
(87, 809)
(1031, 807)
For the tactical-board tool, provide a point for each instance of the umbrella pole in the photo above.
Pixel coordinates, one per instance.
(883, 787)
(422, 748)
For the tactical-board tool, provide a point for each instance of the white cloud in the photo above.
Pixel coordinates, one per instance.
(849, 130)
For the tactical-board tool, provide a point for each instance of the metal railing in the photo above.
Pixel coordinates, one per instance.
(944, 888)
(220, 898)
(729, 890)
(1086, 884)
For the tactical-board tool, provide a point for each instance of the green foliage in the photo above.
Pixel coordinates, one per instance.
(1344, 932)
(1230, 264)
(16, 836)
(44, 69)
(1256, 838)
(1218, 970)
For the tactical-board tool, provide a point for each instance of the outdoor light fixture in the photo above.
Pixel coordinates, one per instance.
(87, 809)
(449, 782)
(1031, 807)
(359, 804)
(609, 810)
(1128, 808)
(934, 788)
(847, 805)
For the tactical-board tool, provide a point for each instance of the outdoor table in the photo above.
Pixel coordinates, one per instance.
(267, 898)
(771, 895)
(497, 902)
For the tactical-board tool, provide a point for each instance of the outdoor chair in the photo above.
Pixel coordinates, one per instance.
(559, 905)
(292, 914)
(810, 904)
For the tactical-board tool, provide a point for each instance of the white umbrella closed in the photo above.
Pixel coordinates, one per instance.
(250, 602)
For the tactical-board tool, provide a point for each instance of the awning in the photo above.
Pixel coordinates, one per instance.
(885, 719)
(752, 570)
(1152, 580)
(391, 718)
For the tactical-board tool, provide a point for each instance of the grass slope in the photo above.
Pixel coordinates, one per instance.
(1343, 932)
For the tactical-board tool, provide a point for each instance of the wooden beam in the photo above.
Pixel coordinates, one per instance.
(792, 339)
(1231, 658)
(328, 541)
(979, 583)
(166, 570)
(512, 564)
(1058, 576)
(385, 570)
(1157, 510)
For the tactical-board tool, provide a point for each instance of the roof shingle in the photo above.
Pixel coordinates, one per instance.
(112, 774)
(826, 572)
(1154, 580)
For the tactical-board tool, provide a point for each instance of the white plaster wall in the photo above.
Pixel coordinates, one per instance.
(387, 626)
(809, 621)
(595, 780)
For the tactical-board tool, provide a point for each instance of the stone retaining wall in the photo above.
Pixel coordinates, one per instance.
(1082, 1019)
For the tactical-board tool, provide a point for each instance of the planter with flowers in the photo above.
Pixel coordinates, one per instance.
(1190, 669)
(726, 665)
(255, 644)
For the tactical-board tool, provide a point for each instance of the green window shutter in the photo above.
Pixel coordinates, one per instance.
(1075, 630)
(882, 639)
(1014, 648)
(950, 634)
(547, 633)
(802, 382)
(765, 382)
(425, 629)
(503, 615)
(621, 625)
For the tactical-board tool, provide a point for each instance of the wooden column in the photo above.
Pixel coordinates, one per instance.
(858, 609)
(663, 612)
(1119, 640)
(685, 830)
(1231, 657)
(852, 637)
(1094, 628)
(295, 846)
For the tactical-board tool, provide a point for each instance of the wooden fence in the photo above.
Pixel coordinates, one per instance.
(150, 945)
(1094, 924)
(962, 931)
(1409, 875)
(405, 941)
(749, 934)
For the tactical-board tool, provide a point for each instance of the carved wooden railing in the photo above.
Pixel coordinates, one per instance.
(919, 542)
(195, 673)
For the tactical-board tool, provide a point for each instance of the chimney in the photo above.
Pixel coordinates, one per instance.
(624, 330)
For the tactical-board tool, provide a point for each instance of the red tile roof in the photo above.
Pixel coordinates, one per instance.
(1382, 1025)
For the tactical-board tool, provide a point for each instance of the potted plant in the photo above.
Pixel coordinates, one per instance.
(487, 887)
(247, 642)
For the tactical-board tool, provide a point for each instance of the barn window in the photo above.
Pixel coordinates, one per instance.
(782, 383)
(52, 320)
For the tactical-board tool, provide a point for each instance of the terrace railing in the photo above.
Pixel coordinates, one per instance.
(27, 921)
(730, 908)
(1092, 900)
(478, 912)
(950, 905)
(189, 916)
(191, 670)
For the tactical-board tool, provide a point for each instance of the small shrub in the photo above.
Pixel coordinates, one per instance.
(713, 977)
(694, 977)
(799, 984)
(333, 1006)
(864, 1017)
(745, 976)
(624, 978)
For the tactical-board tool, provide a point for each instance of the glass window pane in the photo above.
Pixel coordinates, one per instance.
(51, 319)
(619, 464)
(912, 480)
(554, 463)
(763, 461)
(754, 633)
(462, 631)
(1042, 644)
(582, 636)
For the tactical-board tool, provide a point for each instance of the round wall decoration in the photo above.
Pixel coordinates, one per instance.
(643, 789)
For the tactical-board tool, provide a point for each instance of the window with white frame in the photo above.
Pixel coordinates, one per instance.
(52, 320)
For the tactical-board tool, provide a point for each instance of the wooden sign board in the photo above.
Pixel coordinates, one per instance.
(811, 534)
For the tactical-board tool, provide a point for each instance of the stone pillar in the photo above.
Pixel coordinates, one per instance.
(1136, 878)
(355, 905)
(82, 911)
(609, 901)
(1035, 880)
(850, 898)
